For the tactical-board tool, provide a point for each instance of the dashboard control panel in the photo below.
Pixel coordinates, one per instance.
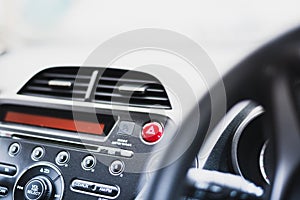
(63, 172)
(45, 163)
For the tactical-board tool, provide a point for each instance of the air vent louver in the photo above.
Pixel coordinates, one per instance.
(58, 83)
(131, 88)
(109, 86)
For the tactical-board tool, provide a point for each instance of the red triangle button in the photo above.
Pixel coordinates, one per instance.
(152, 132)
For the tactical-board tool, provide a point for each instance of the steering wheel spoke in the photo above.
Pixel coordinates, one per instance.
(285, 128)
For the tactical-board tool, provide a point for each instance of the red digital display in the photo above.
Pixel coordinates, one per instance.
(54, 122)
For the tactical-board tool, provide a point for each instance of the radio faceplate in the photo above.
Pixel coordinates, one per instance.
(98, 173)
(107, 167)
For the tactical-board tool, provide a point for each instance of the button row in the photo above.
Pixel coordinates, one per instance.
(152, 132)
(38, 153)
(116, 152)
(95, 189)
(116, 167)
(63, 157)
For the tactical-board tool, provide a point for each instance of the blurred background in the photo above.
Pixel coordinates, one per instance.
(228, 30)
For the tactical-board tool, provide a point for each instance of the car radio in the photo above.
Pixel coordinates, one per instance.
(54, 153)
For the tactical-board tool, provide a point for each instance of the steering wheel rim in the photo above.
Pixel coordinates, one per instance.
(265, 76)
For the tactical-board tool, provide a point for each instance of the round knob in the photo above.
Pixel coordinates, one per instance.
(116, 167)
(38, 188)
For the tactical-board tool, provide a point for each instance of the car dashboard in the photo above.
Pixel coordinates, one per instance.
(96, 133)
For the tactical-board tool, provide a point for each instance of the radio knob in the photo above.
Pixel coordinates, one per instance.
(38, 188)
(116, 167)
(88, 163)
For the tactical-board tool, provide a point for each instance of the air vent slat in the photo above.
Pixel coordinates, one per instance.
(65, 76)
(44, 89)
(126, 80)
(155, 90)
(131, 97)
(114, 88)
(142, 103)
(46, 82)
(74, 98)
(134, 105)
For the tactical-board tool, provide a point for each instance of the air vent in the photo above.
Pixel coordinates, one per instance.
(130, 88)
(59, 83)
(99, 85)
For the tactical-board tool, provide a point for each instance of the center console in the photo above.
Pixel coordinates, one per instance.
(61, 152)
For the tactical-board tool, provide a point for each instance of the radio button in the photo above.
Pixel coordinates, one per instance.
(3, 191)
(116, 152)
(116, 167)
(62, 158)
(8, 170)
(126, 153)
(126, 127)
(83, 186)
(88, 163)
(14, 149)
(37, 153)
(106, 190)
(95, 189)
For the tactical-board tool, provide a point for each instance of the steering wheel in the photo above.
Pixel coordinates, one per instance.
(268, 76)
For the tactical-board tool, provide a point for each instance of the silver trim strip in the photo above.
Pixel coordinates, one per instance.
(261, 162)
(58, 83)
(15, 135)
(91, 85)
(132, 88)
(257, 111)
(211, 139)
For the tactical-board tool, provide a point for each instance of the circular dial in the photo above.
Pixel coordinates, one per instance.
(38, 188)
(251, 156)
(42, 181)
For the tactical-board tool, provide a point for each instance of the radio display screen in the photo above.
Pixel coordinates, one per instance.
(55, 122)
(93, 124)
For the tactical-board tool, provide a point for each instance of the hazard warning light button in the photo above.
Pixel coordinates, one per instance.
(152, 132)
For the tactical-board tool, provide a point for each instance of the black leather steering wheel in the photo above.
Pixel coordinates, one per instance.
(268, 76)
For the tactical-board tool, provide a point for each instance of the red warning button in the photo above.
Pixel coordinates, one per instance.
(152, 132)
